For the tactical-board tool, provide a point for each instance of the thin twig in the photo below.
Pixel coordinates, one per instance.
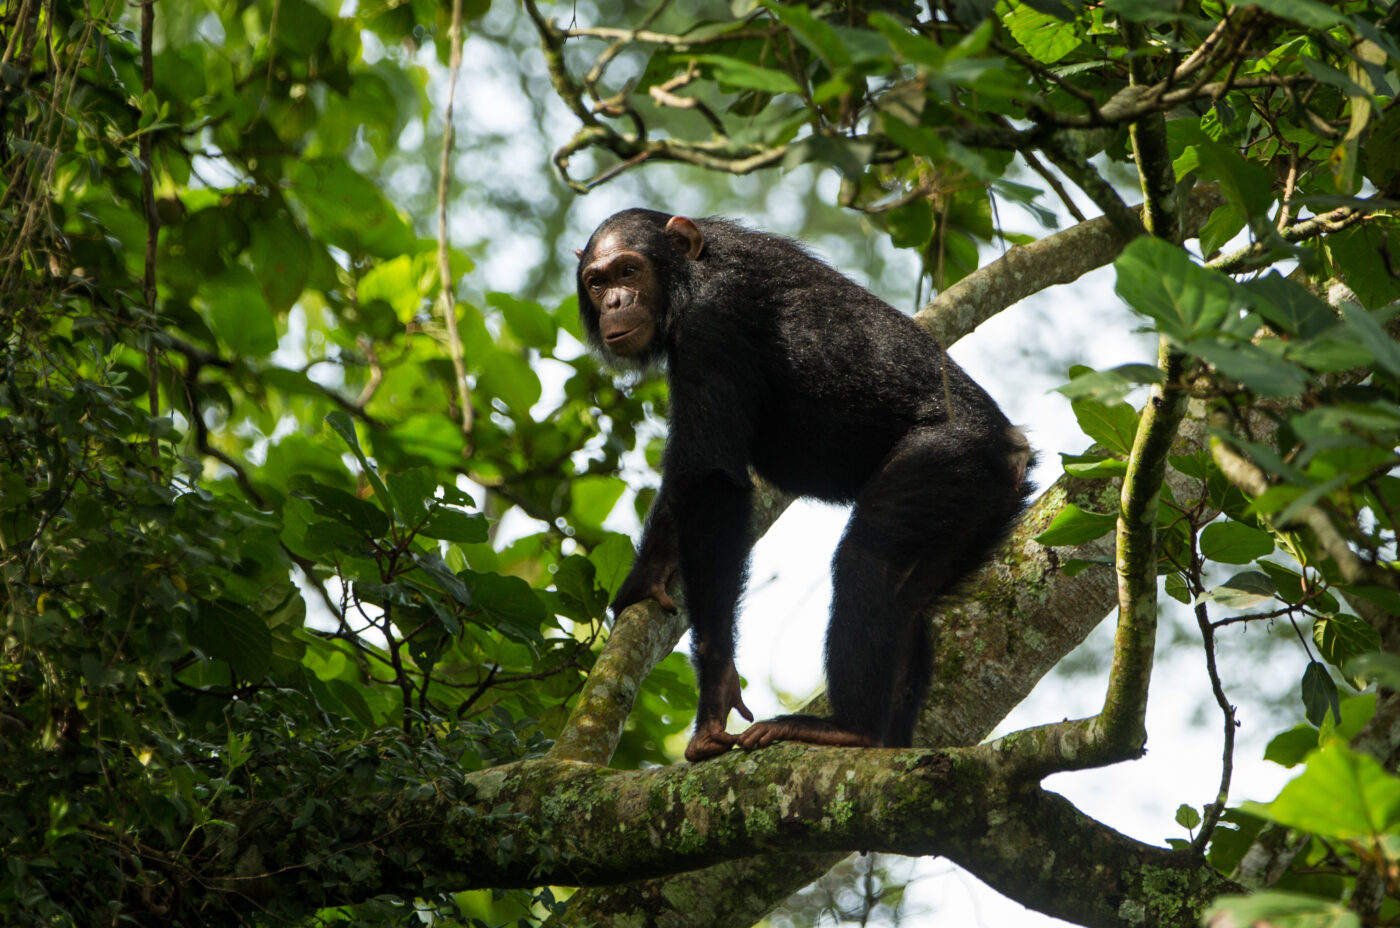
(146, 149)
(1227, 759)
(678, 42)
(446, 296)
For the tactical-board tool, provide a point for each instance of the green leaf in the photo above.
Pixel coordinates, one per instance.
(1187, 816)
(1253, 366)
(403, 282)
(444, 579)
(1093, 465)
(282, 256)
(1075, 526)
(1246, 184)
(230, 631)
(1175, 587)
(1342, 637)
(1340, 794)
(347, 210)
(1288, 306)
(340, 506)
(1309, 13)
(339, 420)
(344, 699)
(510, 606)
(1280, 910)
(612, 559)
(1234, 542)
(812, 32)
(1358, 256)
(577, 578)
(914, 139)
(1376, 667)
(1382, 347)
(301, 28)
(455, 525)
(911, 226)
(594, 497)
(1319, 694)
(528, 320)
(411, 491)
(738, 73)
(238, 312)
(909, 46)
(1161, 281)
(510, 379)
(1290, 748)
(1242, 591)
(1047, 38)
(1225, 223)
(1146, 11)
(1110, 386)
(1114, 427)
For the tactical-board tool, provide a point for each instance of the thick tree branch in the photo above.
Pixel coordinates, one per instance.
(1124, 713)
(544, 821)
(1149, 140)
(1027, 269)
(640, 638)
(1119, 731)
(1070, 152)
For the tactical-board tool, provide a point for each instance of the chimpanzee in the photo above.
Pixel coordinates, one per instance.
(778, 362)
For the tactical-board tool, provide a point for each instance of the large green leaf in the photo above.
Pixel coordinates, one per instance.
(1161, 281)
(1280, 910)
(1341, 794)
(1075, 526)
(232, 632)
(738, 73)
(1234, 542)
(1111, 426)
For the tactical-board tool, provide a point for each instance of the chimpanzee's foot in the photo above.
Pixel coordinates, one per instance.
(709, 741)
(808, 729)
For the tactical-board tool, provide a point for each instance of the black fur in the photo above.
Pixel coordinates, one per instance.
(778, 362)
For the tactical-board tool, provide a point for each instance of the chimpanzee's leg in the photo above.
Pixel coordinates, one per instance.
(913, 675)
(940, 502)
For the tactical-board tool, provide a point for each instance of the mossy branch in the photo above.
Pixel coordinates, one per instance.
(1119, 731)
(545, 821)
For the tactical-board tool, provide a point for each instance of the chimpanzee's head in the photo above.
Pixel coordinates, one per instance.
(626, 277)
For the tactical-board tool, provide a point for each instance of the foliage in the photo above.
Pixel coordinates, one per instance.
(213, 590)
(254, 550)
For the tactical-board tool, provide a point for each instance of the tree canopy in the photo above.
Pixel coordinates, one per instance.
(307, 525)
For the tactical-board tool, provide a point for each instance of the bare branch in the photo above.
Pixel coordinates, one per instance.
(446, 296)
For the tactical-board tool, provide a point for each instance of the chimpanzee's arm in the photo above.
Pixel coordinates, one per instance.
(658, 556)
(712, 518)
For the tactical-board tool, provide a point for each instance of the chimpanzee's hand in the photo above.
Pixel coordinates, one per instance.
(710, 738)
(647, 580)
(733, 697)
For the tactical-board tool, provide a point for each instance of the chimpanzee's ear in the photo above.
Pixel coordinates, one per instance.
(578, 253)
(686, 236)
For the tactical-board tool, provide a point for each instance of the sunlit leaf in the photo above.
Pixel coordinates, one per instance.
(1075, 526)
(1340, 794)
(1111, 426)
(1234, 542)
